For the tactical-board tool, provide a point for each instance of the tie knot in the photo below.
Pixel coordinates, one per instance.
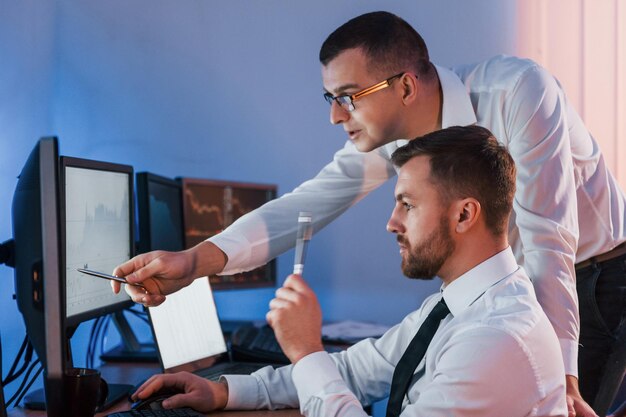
(440, 311)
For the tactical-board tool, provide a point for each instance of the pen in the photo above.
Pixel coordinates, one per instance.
(107, 276)
(305, 230)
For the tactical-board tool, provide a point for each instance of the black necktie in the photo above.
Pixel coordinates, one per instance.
(412, 357)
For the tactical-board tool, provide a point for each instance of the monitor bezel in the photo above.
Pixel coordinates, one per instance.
(72, 162)
(143, 180)
(38, 266)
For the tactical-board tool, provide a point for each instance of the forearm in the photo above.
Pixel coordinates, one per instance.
(270, 230)
(206, 259)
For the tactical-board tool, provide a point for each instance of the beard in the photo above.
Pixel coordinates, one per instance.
(425, 260)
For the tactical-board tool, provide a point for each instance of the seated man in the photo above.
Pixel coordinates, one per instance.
(484, 345)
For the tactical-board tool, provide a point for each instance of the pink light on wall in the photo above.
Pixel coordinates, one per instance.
(583, 43)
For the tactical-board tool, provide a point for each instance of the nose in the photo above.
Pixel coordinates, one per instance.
(338, 114)
(393, 224)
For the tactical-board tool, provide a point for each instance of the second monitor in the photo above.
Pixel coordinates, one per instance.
(210, 206)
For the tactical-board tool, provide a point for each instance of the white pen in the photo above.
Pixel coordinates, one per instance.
(305, 231)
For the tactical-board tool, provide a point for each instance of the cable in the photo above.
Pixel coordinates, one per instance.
(9, 377)
(30, 384)
(100, 336)
(27, 358)
(105, 331)
(140, 315)
(21, 387)
(91, 346)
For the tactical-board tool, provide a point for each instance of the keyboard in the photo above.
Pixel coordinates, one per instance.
(252, 343)
(173, 412)
(239, 368)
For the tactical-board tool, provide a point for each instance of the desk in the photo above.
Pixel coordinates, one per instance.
(132, 373)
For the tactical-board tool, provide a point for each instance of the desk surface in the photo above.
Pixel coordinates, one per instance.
(128, 373)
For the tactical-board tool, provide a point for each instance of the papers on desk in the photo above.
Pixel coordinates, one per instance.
(350, 331)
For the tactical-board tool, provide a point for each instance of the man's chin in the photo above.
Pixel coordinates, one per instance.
(417, 274)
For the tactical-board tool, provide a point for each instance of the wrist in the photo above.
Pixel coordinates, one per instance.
(297, 356)
(571, 384)
(221, 396)
(206, 259)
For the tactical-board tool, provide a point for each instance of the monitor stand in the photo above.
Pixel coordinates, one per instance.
(131, 350)
(36, 400)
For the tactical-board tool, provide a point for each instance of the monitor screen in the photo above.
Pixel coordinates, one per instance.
(38, 264)
(160, 208)
(211, 206)
(98, 234)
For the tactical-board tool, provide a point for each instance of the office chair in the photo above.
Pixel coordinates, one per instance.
(612, 379)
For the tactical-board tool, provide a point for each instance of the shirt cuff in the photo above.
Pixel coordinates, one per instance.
(243, 392)
(569, 349)
(237, 249)
(312, 374)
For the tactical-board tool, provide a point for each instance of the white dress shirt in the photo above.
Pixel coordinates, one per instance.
(561, 178)
(496, 354)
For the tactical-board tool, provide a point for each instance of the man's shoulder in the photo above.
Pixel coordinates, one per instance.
(504, 69)
(511, 306)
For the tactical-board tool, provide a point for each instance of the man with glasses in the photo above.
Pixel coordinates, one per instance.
(567, 228)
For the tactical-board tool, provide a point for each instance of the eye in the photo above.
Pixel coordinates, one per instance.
(407, 206)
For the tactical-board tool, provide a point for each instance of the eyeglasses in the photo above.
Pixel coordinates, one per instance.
(346, 101)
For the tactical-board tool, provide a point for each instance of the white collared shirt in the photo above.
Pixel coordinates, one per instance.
(562, 177)
(495, 354)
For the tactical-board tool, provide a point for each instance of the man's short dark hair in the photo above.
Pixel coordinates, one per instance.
(468, 162)
(390, 43)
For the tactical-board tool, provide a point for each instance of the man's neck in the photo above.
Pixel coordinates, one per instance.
(468, 256)
(426, 112)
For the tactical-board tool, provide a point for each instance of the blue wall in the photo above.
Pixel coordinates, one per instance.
(225, 89)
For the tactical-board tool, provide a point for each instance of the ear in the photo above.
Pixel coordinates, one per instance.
(408, 83)
(467, 212)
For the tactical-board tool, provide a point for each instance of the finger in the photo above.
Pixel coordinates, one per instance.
(297, 283)
(287, 294)
(115, 286)
(140, 296)
(129, 266)
(278, 303)
(136, 293)
(179, 401)
(150, 270)
(160, 382)
(152, 300)
(148, 388)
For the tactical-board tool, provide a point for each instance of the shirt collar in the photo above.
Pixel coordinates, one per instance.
(463, 291)
(457, 109)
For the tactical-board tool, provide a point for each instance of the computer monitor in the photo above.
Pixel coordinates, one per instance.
(38, 265)
(97, 220)
(160, 220)
(160, 208)
(67, 213)
(210, 206)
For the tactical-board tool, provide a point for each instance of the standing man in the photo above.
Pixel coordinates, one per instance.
(383, 89)
(484, 346)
